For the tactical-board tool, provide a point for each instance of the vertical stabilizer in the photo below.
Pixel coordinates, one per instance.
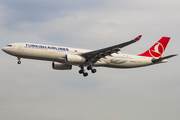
(157, 49)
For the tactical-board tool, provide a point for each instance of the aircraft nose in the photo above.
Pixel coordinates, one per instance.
(4, 49)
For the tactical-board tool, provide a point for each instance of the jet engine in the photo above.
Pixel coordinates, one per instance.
(61, 66)
(75, 59)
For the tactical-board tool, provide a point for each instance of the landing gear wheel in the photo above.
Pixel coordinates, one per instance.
(19, 62)
(85, 74)
(89, 68)
(93, 70)
(81, 71)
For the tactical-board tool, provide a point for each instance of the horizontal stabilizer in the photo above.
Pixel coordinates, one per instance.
(163, 58)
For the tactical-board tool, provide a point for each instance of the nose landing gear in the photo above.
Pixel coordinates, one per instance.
(19, 61)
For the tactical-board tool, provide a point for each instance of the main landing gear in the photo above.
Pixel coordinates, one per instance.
(82, 71)
(90, 68)
(19, 61)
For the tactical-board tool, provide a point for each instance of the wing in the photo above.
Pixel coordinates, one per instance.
(94, 56)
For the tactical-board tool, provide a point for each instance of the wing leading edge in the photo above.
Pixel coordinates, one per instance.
(94, 56)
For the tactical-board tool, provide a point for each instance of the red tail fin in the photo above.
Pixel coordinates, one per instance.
(157, 49)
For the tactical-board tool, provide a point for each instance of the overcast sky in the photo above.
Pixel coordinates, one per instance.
(34, 91)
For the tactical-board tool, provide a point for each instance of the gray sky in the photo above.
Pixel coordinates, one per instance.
(34, 91)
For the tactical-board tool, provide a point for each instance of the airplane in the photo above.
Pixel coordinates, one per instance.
(63, 58)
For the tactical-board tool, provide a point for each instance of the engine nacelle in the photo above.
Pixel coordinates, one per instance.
(75, 59)
(61, 66)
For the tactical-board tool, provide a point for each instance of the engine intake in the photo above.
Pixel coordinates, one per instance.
(61, 66)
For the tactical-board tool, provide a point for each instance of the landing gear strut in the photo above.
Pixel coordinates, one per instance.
(82, 71)
(19, 61)
(90, 68)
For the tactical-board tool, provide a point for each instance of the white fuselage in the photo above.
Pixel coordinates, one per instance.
(58, 53)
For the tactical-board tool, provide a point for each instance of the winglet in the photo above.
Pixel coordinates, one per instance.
(138, 38)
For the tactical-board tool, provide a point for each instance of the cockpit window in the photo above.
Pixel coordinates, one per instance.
(9, 45)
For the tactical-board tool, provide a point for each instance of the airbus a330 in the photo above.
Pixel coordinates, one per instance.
(63, 58)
